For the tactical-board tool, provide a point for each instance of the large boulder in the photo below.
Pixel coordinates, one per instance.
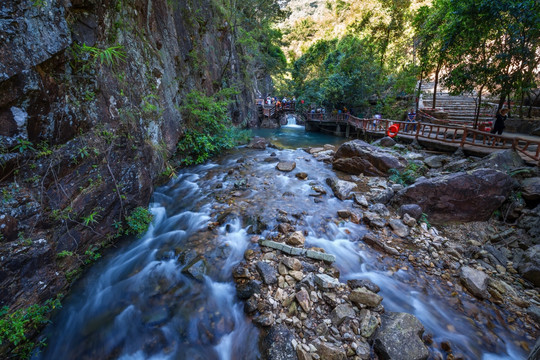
(460, 197)
(358, 157)
(286, 166)
(475, 281)
(342, 189)
(400, 337)
(257, 143)
(531, 191)
(502, 160)
(529, 267)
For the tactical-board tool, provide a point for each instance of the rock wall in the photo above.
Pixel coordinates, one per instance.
(89, 96)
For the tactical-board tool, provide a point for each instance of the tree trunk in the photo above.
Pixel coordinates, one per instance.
(434, 105)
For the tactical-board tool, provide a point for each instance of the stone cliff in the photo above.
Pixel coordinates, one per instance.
(89, 97)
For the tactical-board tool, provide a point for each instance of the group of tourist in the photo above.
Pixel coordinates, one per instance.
(280, 104)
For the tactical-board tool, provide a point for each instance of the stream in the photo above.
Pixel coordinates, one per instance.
(136, 303)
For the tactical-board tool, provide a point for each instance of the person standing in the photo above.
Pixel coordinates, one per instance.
(411, 117)
(500, 118)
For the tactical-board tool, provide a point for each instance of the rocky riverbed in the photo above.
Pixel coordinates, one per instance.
(293, 292)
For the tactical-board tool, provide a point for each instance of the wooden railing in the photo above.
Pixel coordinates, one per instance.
(459, 135)
(273, 109)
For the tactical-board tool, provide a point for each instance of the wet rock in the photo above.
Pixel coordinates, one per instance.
(267, 272)
(475, 281)
(534, 313)
(435, 162)
(363, 296)
(380, 209)
(399, 228)
(249, 254)
(285, 228)
(386, 141)
(8, 227)
(303, 354)
(197, 269)
(240, 272)
(368, 325)
(271, 160)
(277, 344)
(344, 214)
(317, 255)
(363, 350)
(330, 351)
(301, 175)
(287, 249)
(251, 305)
(326, 282)
(292, 263)
(258, 143)
(456, 197)
(286, 166)
(365, 283)
(358, 157)
(303, 300)
(408, 220)
(531, 191)
(296, 239)
(361, 200)
(529, 267)
(384, 196)
(400, 337)
(315, 150)
(413, 210)
(342, 189)
(373, 241)
(535, 352)
(340, 313)
(247, 289)
(266, 319)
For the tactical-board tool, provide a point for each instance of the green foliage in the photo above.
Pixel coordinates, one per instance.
(43, 150)
(64, 254)
(424, 219)
(110, 56)
(138, 221)
(91, 218)
(23, 145)
(208, 126)
(407, 176)
(15, 326)
(73, 274)
(346, 72)
(92, 256)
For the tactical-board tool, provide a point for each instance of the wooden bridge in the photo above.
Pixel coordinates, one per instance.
(442, 135)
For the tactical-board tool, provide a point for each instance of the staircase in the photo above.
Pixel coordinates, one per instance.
(460, 109)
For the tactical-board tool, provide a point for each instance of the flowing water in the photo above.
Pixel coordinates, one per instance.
(136, 303)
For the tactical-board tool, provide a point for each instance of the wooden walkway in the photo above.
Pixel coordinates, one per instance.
(424, 132)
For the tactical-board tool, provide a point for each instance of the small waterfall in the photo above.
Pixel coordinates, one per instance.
(291, 122)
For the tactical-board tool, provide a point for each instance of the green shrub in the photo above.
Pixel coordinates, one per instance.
(138, 221)
(14, 327)
(407, 176)
(208, 127)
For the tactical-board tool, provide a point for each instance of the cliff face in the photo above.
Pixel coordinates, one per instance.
(89, 92)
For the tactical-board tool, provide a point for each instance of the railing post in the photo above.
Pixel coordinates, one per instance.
(514, 144)
(463, 137)
(417, 131)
